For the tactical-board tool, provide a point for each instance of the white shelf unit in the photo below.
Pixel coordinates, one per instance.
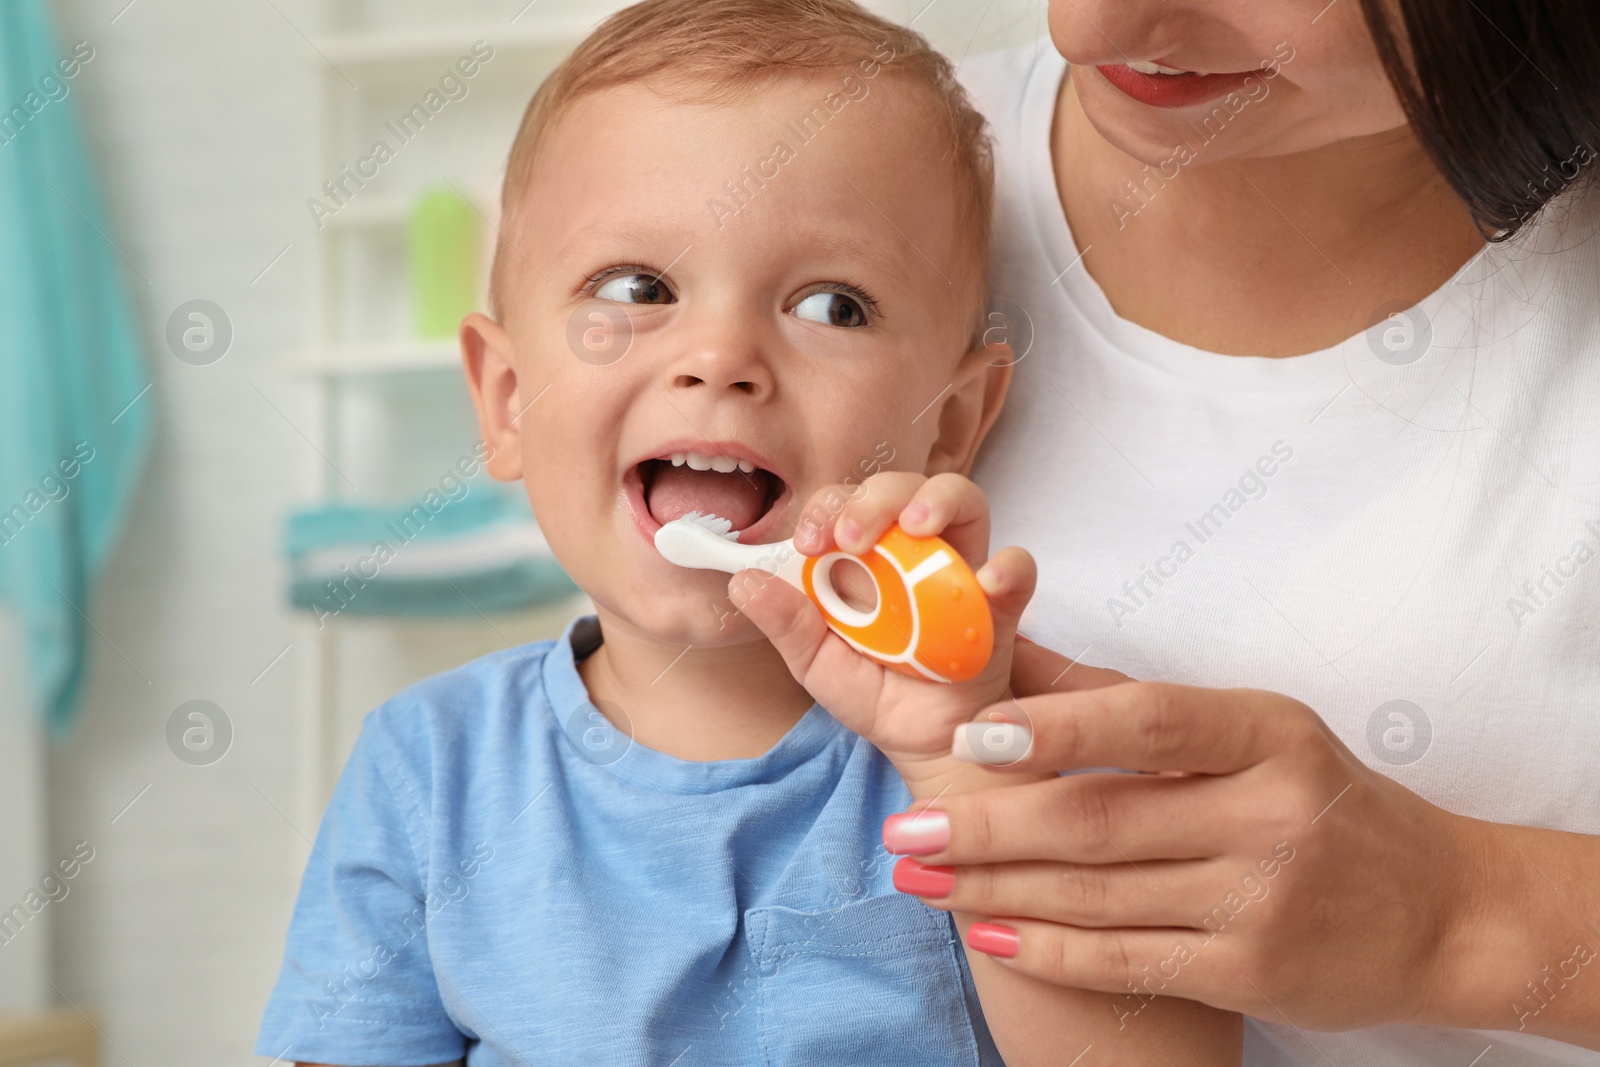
(388, 48)
(395, 357)
(367, 72)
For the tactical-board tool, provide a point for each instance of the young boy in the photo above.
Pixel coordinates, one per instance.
(742, 258)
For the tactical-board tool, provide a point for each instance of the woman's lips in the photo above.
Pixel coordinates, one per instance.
(1172, 90)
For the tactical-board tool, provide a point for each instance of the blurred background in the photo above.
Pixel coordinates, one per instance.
(249, 311)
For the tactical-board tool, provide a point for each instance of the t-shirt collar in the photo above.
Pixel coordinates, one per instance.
(596, 739)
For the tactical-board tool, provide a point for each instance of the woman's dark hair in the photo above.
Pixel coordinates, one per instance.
(1504, 95)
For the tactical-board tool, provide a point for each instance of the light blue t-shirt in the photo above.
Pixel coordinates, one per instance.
(504, 876)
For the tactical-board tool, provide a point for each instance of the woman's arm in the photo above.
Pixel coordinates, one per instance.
(1269, 871)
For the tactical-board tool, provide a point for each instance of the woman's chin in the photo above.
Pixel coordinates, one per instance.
(1146, 134)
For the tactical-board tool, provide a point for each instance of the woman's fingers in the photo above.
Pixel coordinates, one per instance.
(1141, 962)
(1085, 818)
(1077, 894)
(1145, 726)
(1036, 670)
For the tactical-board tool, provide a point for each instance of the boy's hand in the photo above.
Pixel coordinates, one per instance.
(910, 720)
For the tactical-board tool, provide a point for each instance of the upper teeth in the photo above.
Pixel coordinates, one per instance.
(1156, 68)
(700, 461)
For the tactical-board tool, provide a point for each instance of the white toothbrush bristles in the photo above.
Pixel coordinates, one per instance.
(715, 523)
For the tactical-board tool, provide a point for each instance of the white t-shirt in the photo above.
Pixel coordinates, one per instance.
(1402, 531)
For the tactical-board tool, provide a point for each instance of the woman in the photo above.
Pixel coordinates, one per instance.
(1309, 402)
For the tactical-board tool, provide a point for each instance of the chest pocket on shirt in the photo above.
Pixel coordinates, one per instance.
(878, 981)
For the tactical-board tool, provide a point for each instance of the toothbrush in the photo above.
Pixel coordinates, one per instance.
(931, 619)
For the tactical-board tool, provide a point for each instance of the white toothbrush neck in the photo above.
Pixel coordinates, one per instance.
(779, 559)
(688, 544)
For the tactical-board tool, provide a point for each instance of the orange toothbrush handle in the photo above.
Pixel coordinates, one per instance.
(931, 619)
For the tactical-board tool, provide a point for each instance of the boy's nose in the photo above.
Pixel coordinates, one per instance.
(720, 363)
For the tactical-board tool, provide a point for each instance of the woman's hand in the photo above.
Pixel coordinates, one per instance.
(1260, 867)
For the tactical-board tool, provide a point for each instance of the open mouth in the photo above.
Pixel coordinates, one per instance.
(726, 482)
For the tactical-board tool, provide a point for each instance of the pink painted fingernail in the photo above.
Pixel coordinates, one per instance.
(917, 834)
(924, 880)
(992, 939)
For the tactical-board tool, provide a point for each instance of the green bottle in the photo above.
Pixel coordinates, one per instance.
(443, 259)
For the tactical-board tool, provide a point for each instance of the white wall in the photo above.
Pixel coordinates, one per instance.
(202, 116)
(24, 958)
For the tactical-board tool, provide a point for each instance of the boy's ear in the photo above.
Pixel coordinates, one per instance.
(496, 393)
(971, 406)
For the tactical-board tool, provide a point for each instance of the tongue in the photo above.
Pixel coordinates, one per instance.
(740, 498)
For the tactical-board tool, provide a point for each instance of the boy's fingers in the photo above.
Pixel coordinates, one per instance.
(1008, 581)
(845, 682)
(781, 612)
(952, 507)
(852, 519)
(813, 533)
(870, 508)
(874, 508)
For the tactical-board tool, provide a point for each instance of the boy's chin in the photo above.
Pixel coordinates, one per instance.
(704, 618)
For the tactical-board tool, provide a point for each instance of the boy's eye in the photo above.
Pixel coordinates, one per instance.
(832, 309)
(635, 289)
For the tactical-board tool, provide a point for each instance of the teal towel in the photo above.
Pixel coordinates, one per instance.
(348, 522)
(469, 553)
(74, 427)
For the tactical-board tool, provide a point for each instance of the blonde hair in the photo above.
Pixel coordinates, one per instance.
(717, 51)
